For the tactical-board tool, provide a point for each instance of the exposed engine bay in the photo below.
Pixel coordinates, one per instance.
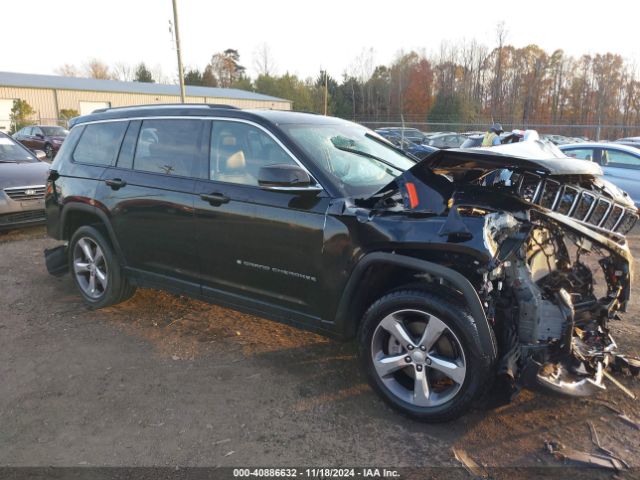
(560, 269)
(553, 297)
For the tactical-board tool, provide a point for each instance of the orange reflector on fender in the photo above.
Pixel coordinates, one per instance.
(413, 195)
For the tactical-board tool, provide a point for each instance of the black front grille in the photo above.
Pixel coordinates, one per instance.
(549, 193)
(585, 204)
(18, 217)
(26, 193)
(567, 199)
(602, 208)
(577, 203)
(613, 217)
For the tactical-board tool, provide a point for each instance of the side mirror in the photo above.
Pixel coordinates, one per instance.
(287, 178)
(40, 155)
(40, 136)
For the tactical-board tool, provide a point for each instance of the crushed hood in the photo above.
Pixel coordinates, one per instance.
(534, 155)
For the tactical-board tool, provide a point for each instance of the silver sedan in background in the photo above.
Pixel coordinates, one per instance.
(22, 184)
(620, 163)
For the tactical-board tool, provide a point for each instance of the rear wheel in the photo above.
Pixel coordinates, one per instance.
(417, 351)
(96, 270)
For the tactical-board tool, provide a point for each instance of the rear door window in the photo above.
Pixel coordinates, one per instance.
(99, 143)
(618, 158)
(170, 147)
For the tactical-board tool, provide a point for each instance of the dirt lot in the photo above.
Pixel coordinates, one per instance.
(164, 380)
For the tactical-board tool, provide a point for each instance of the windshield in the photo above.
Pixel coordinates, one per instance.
(357, 159)
(54, 131)
(10, 151)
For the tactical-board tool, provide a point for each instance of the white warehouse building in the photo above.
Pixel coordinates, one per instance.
(51, 94)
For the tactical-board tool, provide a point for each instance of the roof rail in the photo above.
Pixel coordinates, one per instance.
(169, 105)
(222, 105)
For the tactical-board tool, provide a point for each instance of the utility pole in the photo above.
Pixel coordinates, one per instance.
(180, 70)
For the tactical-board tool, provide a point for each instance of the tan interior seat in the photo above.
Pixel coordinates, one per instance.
(235, 170)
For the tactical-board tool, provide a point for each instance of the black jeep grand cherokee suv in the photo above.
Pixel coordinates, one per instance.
(456, 273)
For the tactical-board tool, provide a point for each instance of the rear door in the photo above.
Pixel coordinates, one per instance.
(150, 194)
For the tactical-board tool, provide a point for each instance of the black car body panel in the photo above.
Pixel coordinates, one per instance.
(466, 222)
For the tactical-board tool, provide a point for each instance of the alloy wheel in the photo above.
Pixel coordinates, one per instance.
(418, 358)
(90, 267)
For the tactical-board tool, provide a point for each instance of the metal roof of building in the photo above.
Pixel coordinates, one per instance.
(31, 80)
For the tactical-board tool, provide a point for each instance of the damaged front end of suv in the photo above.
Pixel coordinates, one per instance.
(554, 268)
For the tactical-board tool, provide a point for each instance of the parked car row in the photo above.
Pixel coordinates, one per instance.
(561, 139)
(629, 141)
(404, 143)
(42, 137)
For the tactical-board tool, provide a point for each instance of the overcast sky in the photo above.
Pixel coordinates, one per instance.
(40, 35)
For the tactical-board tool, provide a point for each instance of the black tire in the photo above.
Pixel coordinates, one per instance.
(48, 150)
(118, 287)
(479, 365)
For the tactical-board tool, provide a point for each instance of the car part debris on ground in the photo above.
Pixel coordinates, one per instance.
(583, 458)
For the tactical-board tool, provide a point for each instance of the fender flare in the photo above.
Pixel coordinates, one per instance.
(93, 210)
(485, 342)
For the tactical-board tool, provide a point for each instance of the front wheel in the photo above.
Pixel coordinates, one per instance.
(417, 352)
(48, 150)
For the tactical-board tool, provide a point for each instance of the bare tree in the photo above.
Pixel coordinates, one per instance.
(123, 71)
(496, 91)
(158, 75)
(68, 70)
(95, 68)
(263, 61)
(362, 68)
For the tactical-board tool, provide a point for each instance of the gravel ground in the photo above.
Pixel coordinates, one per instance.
(163, 380)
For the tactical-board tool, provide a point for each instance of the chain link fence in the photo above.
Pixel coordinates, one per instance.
(590, 132)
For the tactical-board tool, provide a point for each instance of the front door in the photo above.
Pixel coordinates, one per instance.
(256, 244)
(150, 194)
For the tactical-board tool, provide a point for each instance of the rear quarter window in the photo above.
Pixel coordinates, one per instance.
(100, 143)
(67, 147)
